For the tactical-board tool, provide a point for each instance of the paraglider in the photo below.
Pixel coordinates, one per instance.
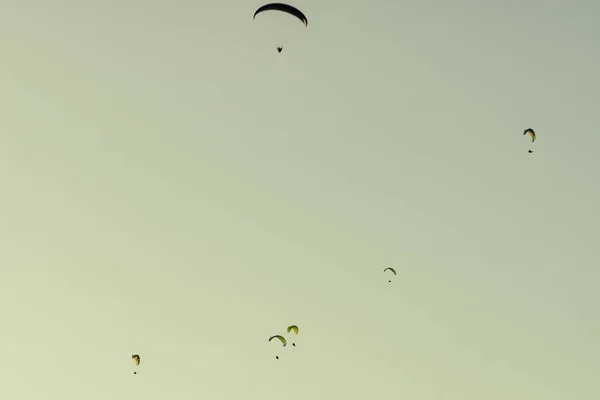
(531, 133)
(391, 269)
(281, 339)
(293, 328)
(284, 8)
(136, 359)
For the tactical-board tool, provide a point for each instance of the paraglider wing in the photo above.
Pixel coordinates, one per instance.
(284, 8)
(391, 269)
(292, 328)
(136, 358)
(281, 338)
(531, 133)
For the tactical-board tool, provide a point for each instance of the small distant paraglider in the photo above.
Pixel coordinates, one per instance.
(281, 339)
(391, 269)
(293, 328)
(136, 359)
(285, 8)
(531, 133)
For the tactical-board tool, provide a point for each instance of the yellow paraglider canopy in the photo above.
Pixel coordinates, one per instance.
(531, 133)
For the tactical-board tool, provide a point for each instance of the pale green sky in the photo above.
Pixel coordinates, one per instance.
(172, 186)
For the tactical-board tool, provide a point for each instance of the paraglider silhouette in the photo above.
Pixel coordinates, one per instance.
(391, 269)
(136, 359)
(532, 134)
(281, 339)
(285, 8)
(293, 328)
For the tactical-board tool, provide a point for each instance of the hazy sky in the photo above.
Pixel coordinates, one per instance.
(172, 186)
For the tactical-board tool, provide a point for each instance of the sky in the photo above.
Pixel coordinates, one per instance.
(172, 186)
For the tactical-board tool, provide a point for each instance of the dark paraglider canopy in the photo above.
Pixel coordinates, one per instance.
(284, 8)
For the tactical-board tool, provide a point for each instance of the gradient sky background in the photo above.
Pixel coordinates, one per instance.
(172, 186)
